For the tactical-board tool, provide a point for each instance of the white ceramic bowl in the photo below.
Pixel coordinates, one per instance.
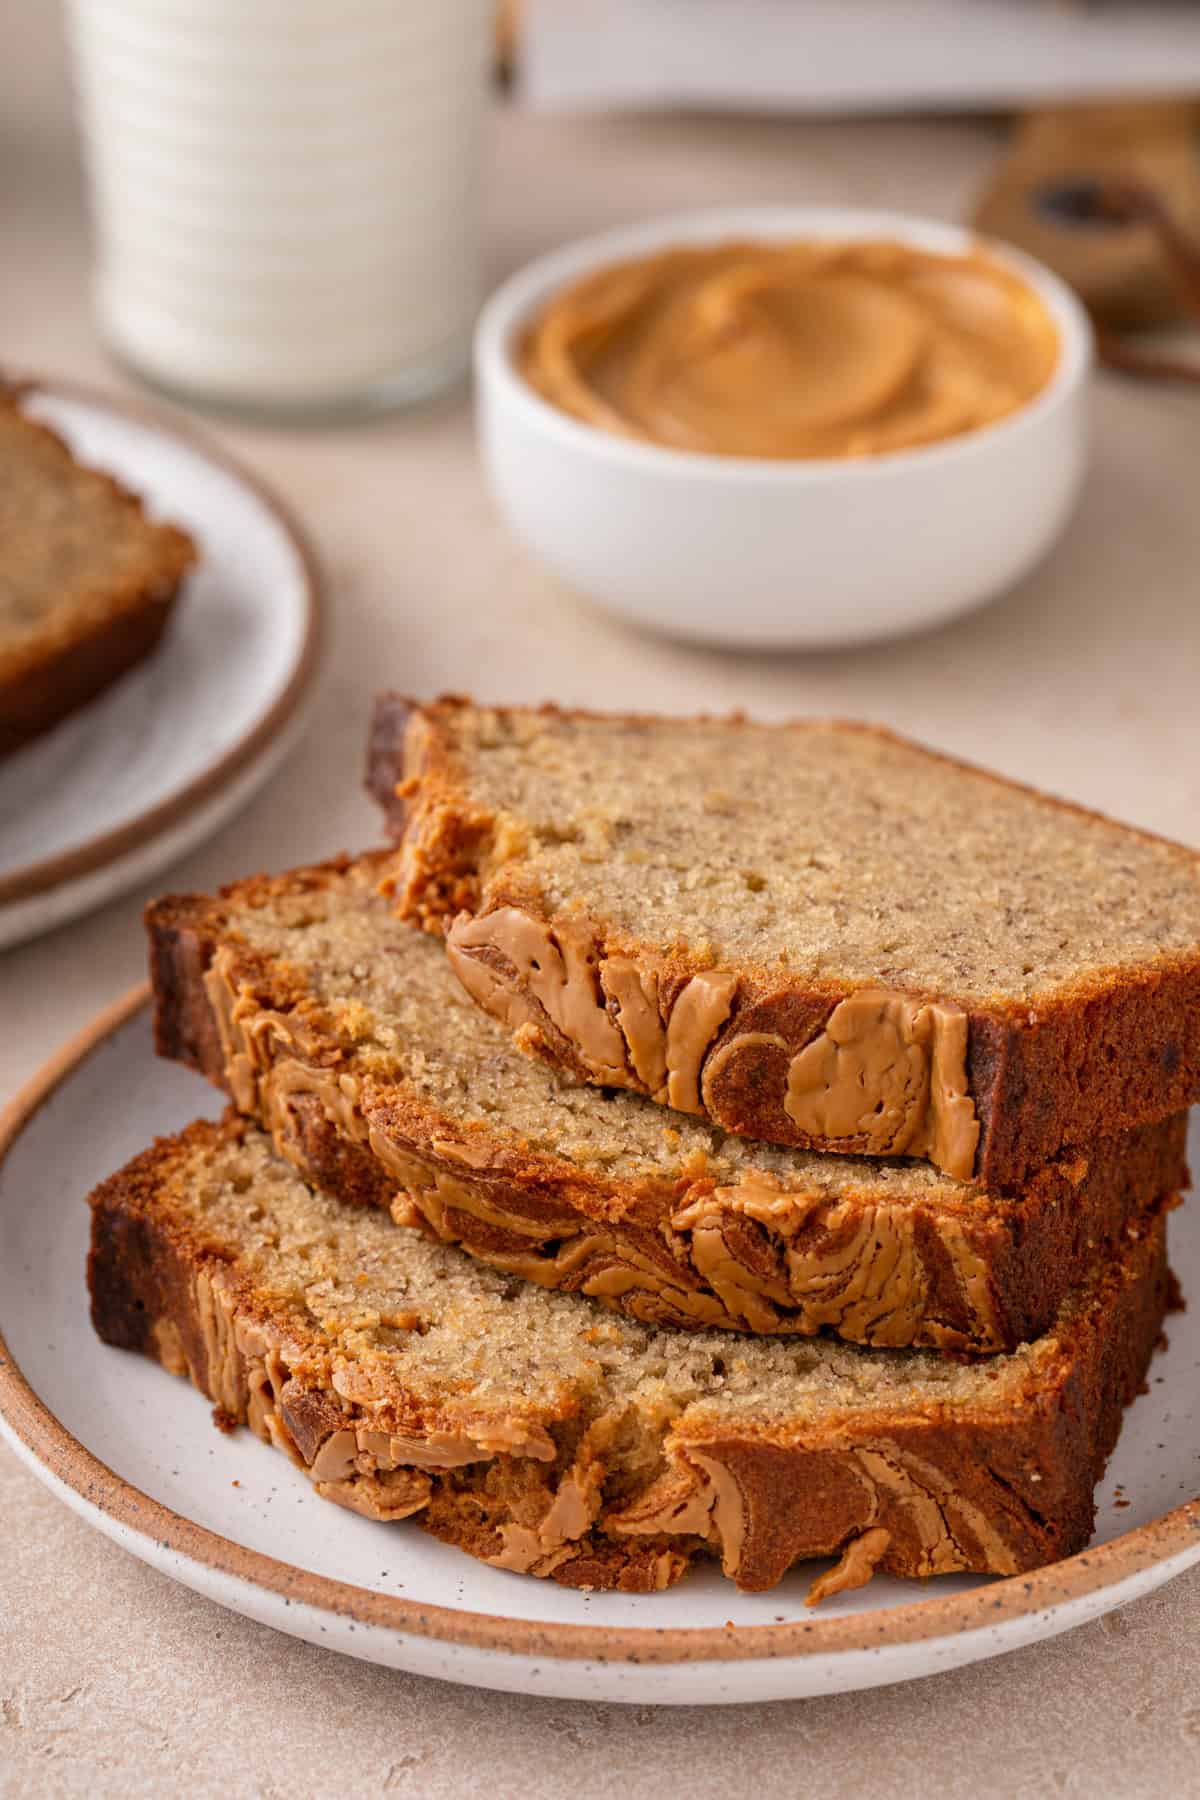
(741, 550)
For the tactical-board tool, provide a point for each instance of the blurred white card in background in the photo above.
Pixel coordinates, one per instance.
(846, 55)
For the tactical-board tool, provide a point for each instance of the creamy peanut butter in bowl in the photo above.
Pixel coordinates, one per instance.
(793, 350)
(785, 426)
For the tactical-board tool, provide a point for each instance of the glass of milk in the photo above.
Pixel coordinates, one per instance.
(284, 194)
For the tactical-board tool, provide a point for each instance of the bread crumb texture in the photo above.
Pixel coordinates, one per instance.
(821, 848)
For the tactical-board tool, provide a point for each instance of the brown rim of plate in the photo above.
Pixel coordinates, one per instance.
(991, 1604)
(84, 859)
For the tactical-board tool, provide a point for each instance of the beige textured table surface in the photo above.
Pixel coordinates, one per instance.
(114, 1681)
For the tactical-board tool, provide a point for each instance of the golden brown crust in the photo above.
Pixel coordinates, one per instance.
(110, 629)
(926, 1267)
(1109, 1052)
(922, 1486)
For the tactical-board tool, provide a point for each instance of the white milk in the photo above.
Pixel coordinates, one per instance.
(284, 192)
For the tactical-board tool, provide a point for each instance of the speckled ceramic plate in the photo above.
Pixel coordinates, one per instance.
(134, 1452)
(160, 761)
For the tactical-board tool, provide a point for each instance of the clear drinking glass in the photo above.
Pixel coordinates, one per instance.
(285, 194)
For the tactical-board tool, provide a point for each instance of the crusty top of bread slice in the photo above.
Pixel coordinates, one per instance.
(814, 933)
(540, 1432)
(822, 848)
(76, 547)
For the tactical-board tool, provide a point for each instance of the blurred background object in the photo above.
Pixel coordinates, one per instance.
(1042, 198)
(284, 194)
(508, 36)
(839, 55)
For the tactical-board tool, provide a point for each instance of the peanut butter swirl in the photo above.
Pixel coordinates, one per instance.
(891, 1074)
(887, 1076)
(793, 350)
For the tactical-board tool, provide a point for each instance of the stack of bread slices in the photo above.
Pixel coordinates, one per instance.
(687, 1138)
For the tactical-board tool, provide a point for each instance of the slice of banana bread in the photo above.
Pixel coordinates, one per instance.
(87, 582)
(815, 933)
(344, 1031)
(547, 1437)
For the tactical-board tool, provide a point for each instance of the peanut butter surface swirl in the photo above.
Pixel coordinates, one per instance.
(799, 350)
